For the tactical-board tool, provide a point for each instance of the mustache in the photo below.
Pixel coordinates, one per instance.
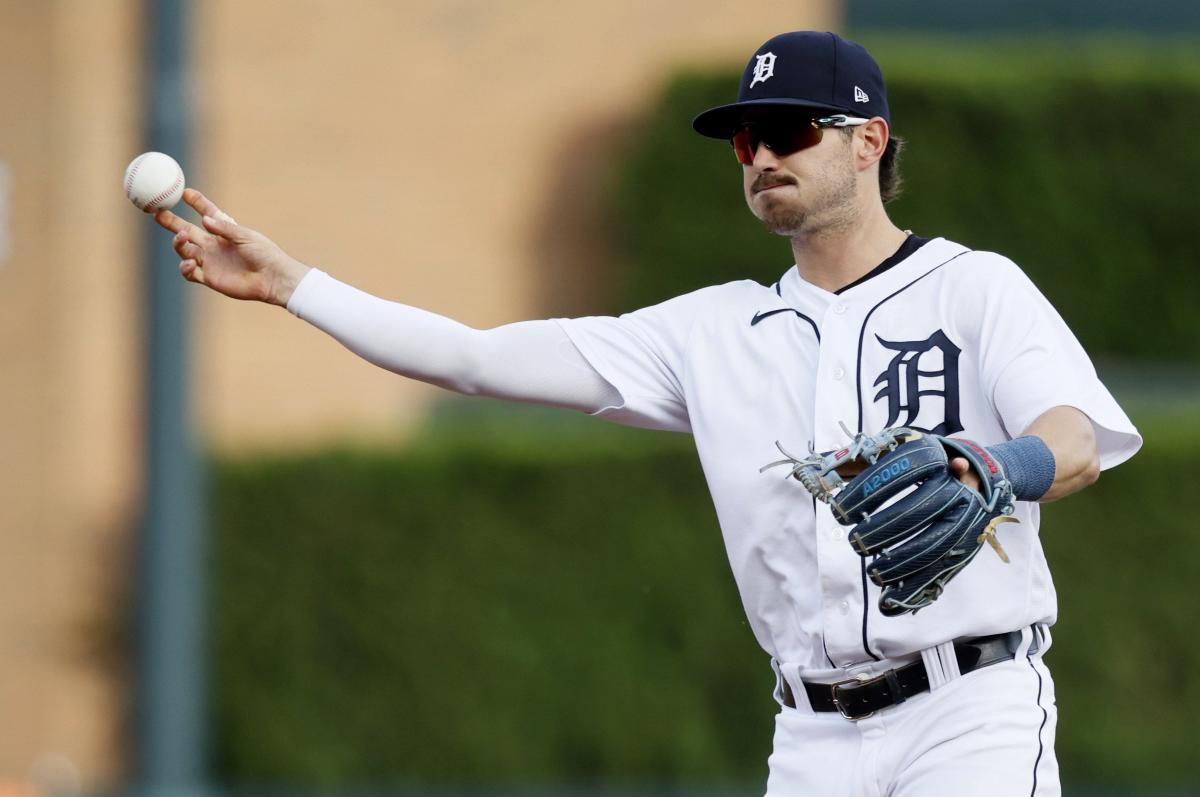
(767, 180)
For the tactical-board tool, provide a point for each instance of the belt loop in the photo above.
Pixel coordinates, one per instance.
(933, 668)
(778, 693)
(949, 661)
(1026, 640)
(1039, 640)
(1047, 640)
(941, 665)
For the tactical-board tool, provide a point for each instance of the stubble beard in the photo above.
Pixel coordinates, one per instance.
(833, 206)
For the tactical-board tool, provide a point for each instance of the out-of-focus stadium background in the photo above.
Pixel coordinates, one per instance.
(404, 592)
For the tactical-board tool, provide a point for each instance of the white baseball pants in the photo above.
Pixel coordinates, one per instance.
(989, 733)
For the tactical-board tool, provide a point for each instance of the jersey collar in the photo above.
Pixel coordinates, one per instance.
(911, 244)
(910, 261)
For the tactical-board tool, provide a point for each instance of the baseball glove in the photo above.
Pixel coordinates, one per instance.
(917, 521)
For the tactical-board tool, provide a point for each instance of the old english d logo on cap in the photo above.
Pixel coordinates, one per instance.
(810, 70)
(764, 67)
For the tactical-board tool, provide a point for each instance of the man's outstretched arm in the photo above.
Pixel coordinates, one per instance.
(532, 361)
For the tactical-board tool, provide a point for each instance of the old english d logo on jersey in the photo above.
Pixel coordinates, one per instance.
(764, 67)
(921, 372)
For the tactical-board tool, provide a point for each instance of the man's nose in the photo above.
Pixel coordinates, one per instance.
(765, 159)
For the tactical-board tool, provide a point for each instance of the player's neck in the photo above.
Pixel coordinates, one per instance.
(835, 257)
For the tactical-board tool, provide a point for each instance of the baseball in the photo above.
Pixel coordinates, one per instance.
(154, 181)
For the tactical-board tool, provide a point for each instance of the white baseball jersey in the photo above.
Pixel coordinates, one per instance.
(943, 338)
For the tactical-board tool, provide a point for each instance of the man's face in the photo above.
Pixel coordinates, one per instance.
(812, 189)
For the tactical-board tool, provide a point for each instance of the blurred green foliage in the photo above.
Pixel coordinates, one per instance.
(519, 602)
(1074, 160)
(1126, 561)
(475, 610)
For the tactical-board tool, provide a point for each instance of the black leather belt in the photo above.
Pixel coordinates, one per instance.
(858, 698)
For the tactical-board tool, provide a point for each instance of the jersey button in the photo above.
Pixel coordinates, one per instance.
(839, 308)
(838, 373)
(844, 607)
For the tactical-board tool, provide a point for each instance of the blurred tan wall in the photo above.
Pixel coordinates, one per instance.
(418, 150)
(68, 359)
(445, 154)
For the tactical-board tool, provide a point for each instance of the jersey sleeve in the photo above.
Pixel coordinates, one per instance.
(643, 354)
(1030, 362)
(531, 361)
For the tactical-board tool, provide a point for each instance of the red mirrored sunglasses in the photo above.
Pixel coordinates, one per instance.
(785, 136)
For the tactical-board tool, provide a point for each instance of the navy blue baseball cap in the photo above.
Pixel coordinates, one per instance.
(805, 69)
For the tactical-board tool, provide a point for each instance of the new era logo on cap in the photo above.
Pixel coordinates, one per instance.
(860, 95)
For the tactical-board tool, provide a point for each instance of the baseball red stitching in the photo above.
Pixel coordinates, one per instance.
(166, 193)
(133, 170)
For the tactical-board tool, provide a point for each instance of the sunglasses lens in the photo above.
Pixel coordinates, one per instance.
(799, 138)
(782, 139)
(744, 146)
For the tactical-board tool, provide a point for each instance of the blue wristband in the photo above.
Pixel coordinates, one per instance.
(1029, 465)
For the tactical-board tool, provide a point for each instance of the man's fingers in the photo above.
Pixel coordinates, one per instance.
(191, 271)
(225, 227)
(215, 221)
(199, 202)
(170, 221)
(188, 251)
(175, 224)
(184, 247)
(961, 469)
(205, 206)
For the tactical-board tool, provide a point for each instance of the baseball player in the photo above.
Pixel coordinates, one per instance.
(921, 393)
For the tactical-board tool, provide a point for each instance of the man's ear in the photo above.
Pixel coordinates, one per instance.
(873, 139)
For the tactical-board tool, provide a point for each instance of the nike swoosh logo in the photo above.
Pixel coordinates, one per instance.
(760, 315)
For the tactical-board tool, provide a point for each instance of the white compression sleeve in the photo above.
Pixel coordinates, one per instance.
(531, 361)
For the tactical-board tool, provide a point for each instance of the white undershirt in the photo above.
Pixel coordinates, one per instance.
(530, 361)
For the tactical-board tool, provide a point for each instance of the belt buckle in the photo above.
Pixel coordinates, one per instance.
(861, 680)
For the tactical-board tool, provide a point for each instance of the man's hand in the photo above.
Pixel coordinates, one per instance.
(234, 260)
(962, 471)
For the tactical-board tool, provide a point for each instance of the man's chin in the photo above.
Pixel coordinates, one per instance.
(776, 214)
(789, 224)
